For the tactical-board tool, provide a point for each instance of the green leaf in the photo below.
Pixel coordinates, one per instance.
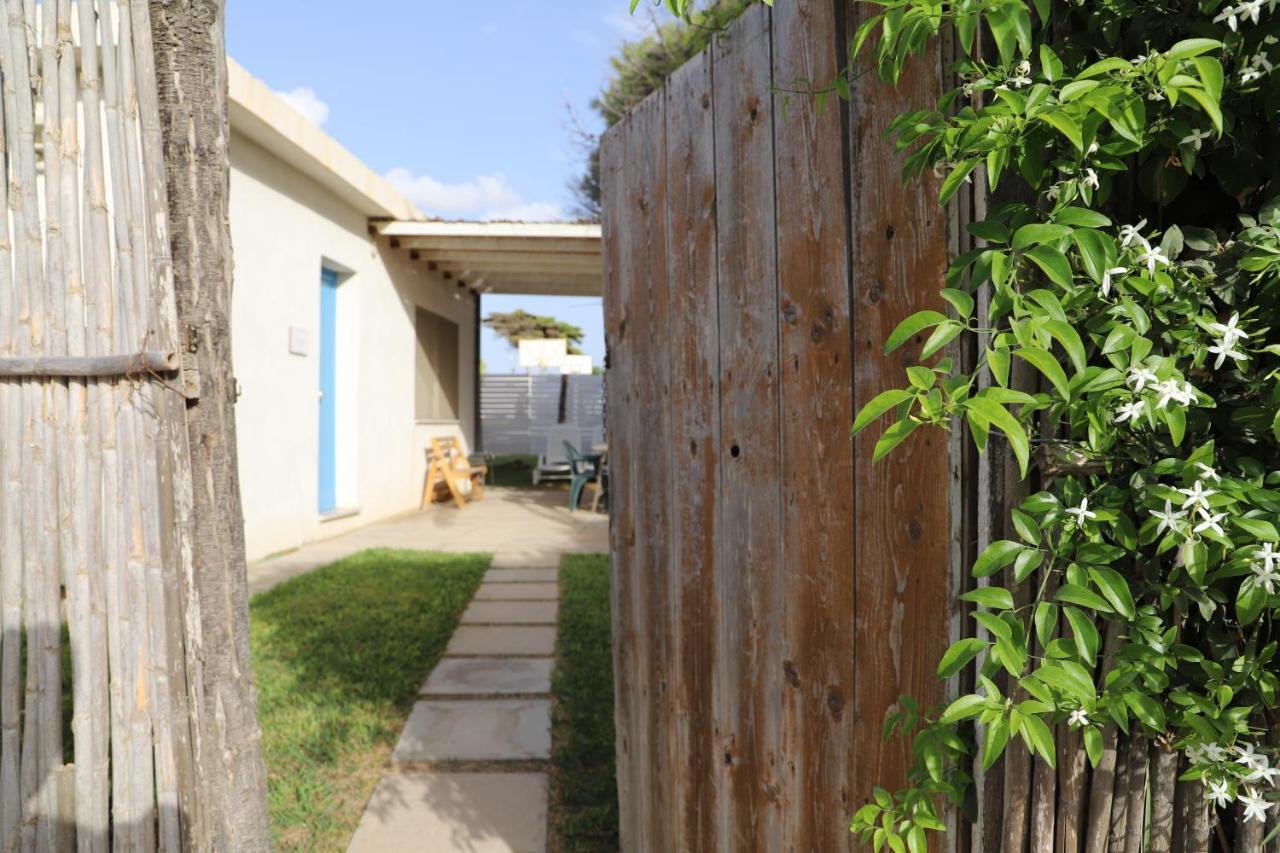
(995, 557)
(892, 437)
(1064, 124)
(964, 708)
(955, 180)
(1258, 528)
(1049, 366)
(959, 300)
(1146, 709)
(1039, 232)
(1093, 252)
(994, 740)
(941, 336)
(1210, 71)
(1188, 48)
(1085, 634)
(1081, 217)
(1075, 89)
(1053, 263)
(1250, 602)
(1039, 738)
(1050, 64)
(1093, 745)
(1116, 590)
(990, 597)
(959, 655)
(1209, 105)
(1083, 596)
(881, 403)
(998, 416)
(1069, 338)
(1028, 561)
(912, 326)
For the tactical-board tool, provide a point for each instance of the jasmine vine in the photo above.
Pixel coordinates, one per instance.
(1140, 287)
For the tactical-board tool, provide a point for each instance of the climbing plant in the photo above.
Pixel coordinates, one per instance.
(1139, 284)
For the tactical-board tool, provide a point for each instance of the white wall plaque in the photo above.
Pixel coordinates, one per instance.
(299, 340)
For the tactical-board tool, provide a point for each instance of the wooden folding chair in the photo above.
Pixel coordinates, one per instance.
(447, 464)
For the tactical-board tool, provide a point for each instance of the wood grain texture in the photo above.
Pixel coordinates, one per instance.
(695, 450)
(622, 419)
(651, 445)
(901, 505)
(816, 367)
(750, 547)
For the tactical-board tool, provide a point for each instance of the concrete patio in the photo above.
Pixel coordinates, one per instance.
(520, 527)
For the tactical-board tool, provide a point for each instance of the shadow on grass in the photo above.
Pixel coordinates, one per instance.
(338, 657)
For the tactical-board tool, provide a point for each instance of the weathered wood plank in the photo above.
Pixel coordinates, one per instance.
(646, 183)
(621, 421)
(695, 448)
(751, 563)
(815, 367)
(901, 508)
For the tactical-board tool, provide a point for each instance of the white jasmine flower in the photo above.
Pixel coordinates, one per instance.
(1171, 519)
(1130, 233)
(1255, 806)
(1249, 757)
(1091, 178)
(1141, 377)
(1082, 513)
(1197, 496)
(1170, 390)
(1250, 9)
(1208, 473)
(1229, 15)
(1219, 793)
(1107, 275)
(1249, 74)
(1195, 138)
(1093, 148)
(1265, 576)
(1224, 351)
(1229, 332)
(1268, 555)
(1211, 522)
(1021, 75)
(1151, 256)
(1130, 411)
(1078, 719)
(1215, 752)
(1264, 774)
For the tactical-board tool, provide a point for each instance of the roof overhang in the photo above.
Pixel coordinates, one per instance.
(535, 258)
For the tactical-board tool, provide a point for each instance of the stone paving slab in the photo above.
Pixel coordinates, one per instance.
(476, 730)
(524, 560)
(510, 613)
(517, 592)
(489, 676)
(490, 640)
(520, 576)
(455, 813)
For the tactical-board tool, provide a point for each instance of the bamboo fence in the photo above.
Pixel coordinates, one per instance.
(94, 569)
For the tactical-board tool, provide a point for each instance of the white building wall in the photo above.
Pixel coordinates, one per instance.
(284, 228)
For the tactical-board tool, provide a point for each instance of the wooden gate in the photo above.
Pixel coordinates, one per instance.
(774, 591)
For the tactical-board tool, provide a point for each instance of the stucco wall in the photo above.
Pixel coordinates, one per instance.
(284, 228)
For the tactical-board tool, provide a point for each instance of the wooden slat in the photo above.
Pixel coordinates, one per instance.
(651, 472)
(750, 568)
(901, 504)
(815, 364)
(622, 421)
(695, 448)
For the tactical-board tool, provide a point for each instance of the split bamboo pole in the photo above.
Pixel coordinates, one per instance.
(92, 788)
(1164, 777)
(151, 583)
(133, 770)
(11, 413)
(1136, 809)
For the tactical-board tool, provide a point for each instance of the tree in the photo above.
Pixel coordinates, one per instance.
(639, 69)
(520, 326)
(191, 75)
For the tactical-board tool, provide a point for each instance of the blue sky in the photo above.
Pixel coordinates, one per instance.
(465, 105)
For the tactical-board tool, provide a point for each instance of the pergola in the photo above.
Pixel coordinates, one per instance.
(536, 258)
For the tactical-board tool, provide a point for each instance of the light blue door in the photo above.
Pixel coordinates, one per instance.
(328, 390)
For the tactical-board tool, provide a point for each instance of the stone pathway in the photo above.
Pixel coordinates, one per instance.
(469, 772)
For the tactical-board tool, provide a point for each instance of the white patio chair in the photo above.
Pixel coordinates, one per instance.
(553, 462)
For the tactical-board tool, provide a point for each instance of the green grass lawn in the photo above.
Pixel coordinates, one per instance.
(585, 794)
(338, 656)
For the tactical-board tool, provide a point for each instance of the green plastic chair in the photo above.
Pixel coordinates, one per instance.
(585, 469)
